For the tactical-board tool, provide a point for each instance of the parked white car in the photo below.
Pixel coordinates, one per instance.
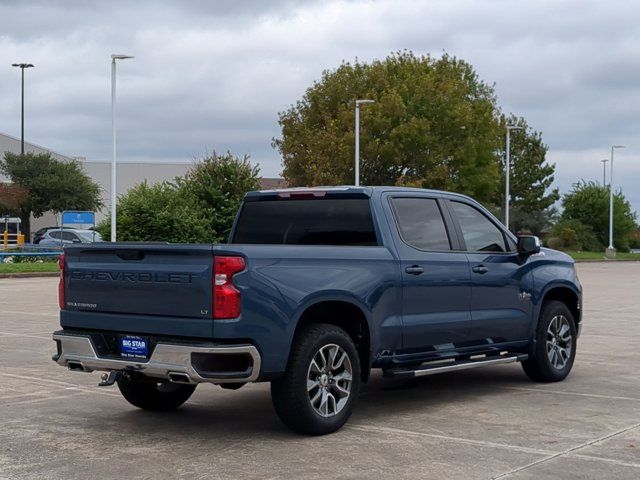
(69, 235)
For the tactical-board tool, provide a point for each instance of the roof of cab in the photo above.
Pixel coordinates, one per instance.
(348, 190)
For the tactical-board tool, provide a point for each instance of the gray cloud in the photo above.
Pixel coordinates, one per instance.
(214, 74)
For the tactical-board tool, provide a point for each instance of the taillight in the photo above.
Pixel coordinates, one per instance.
(226, 297)
(61, 295)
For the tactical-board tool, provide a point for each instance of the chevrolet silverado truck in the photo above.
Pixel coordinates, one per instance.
(315, 288)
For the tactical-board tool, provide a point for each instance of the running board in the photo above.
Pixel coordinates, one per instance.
(452, 366)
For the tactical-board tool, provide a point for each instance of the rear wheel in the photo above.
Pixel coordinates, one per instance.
(555, 348)
(317, 393)
(155, 396)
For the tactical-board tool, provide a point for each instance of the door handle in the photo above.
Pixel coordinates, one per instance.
(481, 269)
(414, 270)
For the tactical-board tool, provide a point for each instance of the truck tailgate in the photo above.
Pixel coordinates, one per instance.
(145, 279)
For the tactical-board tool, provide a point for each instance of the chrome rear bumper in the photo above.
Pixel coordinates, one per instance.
(168, 361)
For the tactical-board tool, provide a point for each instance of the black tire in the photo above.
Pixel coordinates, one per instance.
(540, 367)
(290, 396)
(150, 395)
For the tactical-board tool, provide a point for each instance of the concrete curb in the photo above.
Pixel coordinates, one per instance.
(29, 274)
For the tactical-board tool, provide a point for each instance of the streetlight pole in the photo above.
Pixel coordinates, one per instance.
(357, 154)
(22, 66)
(113, 142)
(507, 173)
(611, 251)
(604, 171)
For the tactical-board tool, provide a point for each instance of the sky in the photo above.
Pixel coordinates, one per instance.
(213, 75)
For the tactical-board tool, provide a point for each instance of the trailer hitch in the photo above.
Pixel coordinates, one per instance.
(110, 378)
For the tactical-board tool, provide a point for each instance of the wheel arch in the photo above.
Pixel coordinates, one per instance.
(566, 295)
(346, 315)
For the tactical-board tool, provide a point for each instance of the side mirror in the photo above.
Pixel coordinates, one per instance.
(528, 245)
(76, 240)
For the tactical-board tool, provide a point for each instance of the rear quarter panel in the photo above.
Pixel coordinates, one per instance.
(282, 281)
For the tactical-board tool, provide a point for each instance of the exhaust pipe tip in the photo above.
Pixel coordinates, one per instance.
(175, 377)
(76, 367)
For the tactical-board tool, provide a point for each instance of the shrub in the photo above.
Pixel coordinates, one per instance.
(588, 203)
(197, 208)
(574, 235)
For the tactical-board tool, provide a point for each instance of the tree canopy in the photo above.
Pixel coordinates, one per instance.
(197, 208)
(219, 183)
(588, 203)
(432, 125)
(531, 176)
(51, 185)
(159, 212)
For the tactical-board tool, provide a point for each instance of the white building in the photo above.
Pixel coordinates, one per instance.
(129, 174)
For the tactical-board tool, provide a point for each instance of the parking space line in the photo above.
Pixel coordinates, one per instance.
(536, 451)
(11, 334)
(604, 459)
(604, 363)
(44, 381)
(559, 392)
(41, 314)
(44, 399)
(30, 394)
(568, 451)
(468, 441)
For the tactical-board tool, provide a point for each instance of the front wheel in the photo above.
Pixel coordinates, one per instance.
(154, 396)
(318, 391)
(555, 348)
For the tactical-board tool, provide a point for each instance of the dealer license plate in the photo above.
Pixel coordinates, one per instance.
(134, 347)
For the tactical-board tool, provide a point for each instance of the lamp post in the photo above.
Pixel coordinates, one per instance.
(507, 173)
(604, 171)
(22, 66)
(611, 251)
(113, 140)
(358, 103)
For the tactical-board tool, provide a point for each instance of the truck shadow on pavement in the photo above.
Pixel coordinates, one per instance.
(214, 412)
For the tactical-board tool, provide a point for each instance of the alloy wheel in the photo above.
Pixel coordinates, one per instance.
(559, 342)
(329, 380)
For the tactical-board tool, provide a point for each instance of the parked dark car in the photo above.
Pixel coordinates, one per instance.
(315, 288)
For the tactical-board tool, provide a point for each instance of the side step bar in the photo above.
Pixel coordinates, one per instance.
(452, 366)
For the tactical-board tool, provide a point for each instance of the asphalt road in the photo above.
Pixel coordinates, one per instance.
(484, 423)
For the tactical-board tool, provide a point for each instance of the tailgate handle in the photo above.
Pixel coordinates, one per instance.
(130, 254)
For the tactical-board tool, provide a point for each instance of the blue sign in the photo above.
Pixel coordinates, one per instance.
(78, 218)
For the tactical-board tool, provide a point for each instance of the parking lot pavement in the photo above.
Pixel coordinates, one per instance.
(485, 423)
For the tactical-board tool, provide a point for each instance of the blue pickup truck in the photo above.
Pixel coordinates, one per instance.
(316, 287)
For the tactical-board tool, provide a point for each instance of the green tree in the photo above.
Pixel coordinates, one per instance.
(219, 183)
(434, 124)
(531, 176)
(160, 212)
(51, 185)
(575, 235)
(588, 203)
(534, 223)
(197, 208)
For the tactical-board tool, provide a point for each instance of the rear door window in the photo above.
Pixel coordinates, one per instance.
(322, 221)
(420, 223)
